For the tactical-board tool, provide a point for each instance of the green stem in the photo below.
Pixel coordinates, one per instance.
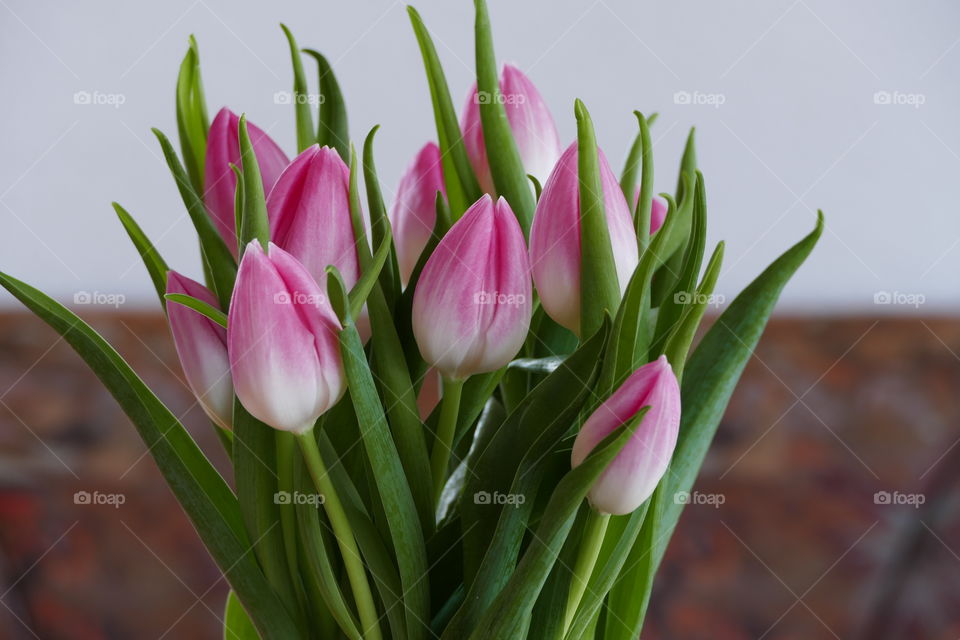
(590, 543)
(366, 608)
(440, 456)
(286, 447)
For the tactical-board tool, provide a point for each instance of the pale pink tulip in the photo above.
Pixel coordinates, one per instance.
(555, 238)
(202, 348)
(282, 341)
(414, 212)
(473, 301)
(530, 121)
(633, 475)
(220, 183)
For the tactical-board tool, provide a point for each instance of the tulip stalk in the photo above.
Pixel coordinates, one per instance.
(446, 429)
(590, 543)
(350, 554)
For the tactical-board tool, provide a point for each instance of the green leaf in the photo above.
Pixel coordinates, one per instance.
(688, 164)
(214, 252)
(255, 475)
(152, 259)
(379, 222)
(461, 182)
(599, 289)
(507, 616)
(306, 135)
(678, 344)
(506, 167)
(510, 463)
(368, 279)
(636, 159)
(254, 225)
(205, 497)
(392, 483)
(332, 130)
(236, 622)
(644, 204)
(201, 307)
(192, 122)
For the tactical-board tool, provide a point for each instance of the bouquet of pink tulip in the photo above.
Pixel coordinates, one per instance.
(467, 418)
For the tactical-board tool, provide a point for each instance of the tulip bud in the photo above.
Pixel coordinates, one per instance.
(473, 301)
(202, 348)
(220, 183)
(658, 211)
(282, 341)
(633, 475)
(414, 211)
(555, 238)
(530, 121)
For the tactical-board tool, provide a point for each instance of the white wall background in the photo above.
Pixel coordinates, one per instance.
(798, 129)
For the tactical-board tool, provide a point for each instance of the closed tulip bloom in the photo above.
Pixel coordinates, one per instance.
(473, 301)
(202, 348)
(530, 121)
(633, 475)
(414, 211)
(282, 341)
(220, 183)
(555, 238)
(658, 211)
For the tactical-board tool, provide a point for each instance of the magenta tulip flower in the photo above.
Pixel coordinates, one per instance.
(473, 302)
(202, 348)
(282, 341)
(633, 475)
(530, 121)
(658, 211)
(555, 238)
(220, 183)
(414, 212)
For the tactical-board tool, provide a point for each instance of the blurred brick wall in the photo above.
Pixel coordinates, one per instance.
(785, 537)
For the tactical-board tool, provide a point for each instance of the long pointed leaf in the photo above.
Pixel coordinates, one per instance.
(332, 130)
(152, 259)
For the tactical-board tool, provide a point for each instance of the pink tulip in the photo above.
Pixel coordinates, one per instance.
(414, 211)
(202, 347)
(555, 238)
(309, 211)
(282, 341)
(658, 211)
(473, 302)
(633, 475)
(530, 120)
(220, 183)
